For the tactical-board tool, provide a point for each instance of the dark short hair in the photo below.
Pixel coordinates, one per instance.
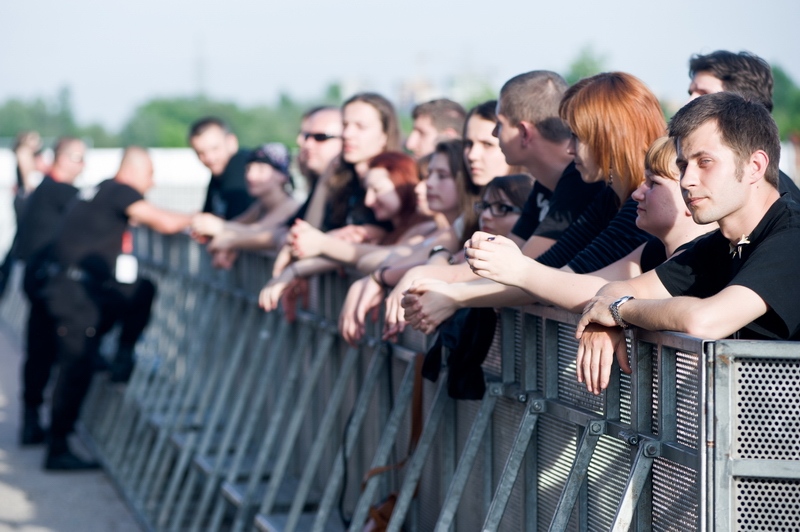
(443, 113)
(316, 109)
(745, 126)
(744, 73)
(534, 97)
(517, 187)
(200, 126)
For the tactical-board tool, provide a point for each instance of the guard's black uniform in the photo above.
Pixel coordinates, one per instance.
(84, 298)
(39, 224)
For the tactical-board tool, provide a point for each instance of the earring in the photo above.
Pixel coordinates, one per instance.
(610, 178)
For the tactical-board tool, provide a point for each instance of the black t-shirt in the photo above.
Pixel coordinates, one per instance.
(41, 219)
(91, 236)
(767, 266)
(603, 234)
(227, 195)
(786, 185)
(346, 207)
(548, 213)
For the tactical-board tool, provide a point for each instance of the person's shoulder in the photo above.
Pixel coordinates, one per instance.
(571, 179)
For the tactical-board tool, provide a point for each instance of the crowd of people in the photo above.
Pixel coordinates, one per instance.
(580, 196)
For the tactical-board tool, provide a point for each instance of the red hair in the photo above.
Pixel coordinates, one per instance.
(404, 175)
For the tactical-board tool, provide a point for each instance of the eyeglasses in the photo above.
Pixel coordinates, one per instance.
(497, 209)
(318, 137)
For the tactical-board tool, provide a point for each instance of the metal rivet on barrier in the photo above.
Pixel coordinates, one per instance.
(630, 437)
(522, 398)
(537, 406)
(652, 449)
(596, 427)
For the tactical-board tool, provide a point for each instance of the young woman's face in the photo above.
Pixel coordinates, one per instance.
(362, 135)
(584, 161)
(660, 202)
(497, 215)
(261, 178)
(381, 194)
(441, 187)
(482, 153)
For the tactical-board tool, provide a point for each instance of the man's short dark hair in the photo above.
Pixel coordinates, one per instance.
(534, 97)
(443, 113)
(200, 126)
(745, 126)
(316, 109)
(743, 73)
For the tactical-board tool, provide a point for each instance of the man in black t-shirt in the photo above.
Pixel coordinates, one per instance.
(39, 224)
(95, 286)
(532, 135)
(741, 277)
(218, 149)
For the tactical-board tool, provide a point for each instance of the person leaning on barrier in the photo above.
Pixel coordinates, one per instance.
(39, 225)
(269, 181)
(530, 135)
(218, 149)
(434, 121)
(447, 195)
(93, 285)
(614, 117)
(661, 212)
(741, 278)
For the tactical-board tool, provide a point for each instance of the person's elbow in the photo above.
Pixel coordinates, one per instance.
(701, 323)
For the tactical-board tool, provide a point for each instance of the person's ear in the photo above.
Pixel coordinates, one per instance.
(756, 167)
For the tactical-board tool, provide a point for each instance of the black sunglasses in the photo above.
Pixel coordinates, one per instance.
(318, 137)
(497, 209)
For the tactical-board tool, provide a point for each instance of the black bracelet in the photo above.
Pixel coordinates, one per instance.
(377, 276)
(438, 249)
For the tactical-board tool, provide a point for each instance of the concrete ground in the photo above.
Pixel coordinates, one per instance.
(32, 500)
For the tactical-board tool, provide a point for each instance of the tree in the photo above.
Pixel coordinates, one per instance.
(588, 63)
(786, 102)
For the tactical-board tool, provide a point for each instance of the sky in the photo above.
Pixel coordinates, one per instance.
(115, 56)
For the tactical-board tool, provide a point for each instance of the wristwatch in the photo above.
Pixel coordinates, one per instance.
(614, 309)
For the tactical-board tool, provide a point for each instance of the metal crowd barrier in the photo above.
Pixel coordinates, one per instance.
(238, 420)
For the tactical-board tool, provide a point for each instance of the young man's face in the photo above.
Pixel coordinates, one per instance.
(508, 137)
(214, 148)
(710, 175)
(423, 137)
(704, 83)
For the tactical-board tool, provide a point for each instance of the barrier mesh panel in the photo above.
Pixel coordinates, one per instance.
(688, 395)
(656, 401)
(569, 389)
(767, 425)
(767, 504)
(556, 442)
(471, 507)
(608, 473)
(493, 364)
(506, 421)
(675, 496)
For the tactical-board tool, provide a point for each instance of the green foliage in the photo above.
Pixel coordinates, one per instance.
(786, 102)
(588, 63)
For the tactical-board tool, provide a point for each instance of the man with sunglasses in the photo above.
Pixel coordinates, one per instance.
(218, 149)
(38, 227)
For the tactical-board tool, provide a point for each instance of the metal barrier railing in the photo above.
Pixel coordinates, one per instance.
(237, 420)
